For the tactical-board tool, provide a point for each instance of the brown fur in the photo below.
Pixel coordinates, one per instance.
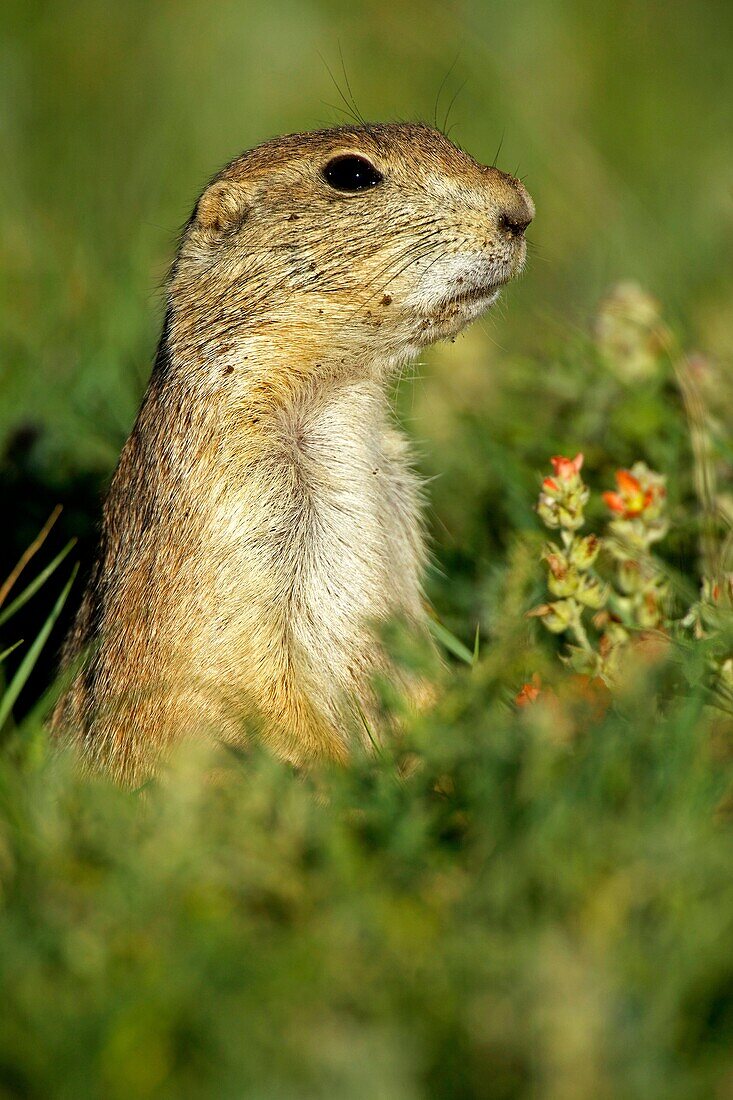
(264, 515)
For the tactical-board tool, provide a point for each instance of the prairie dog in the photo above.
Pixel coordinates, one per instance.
(264, 515)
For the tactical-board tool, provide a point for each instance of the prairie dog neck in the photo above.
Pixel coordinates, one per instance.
(344, 533)
(319, 502)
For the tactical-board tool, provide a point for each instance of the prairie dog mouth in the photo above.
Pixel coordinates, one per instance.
(468, 282)
(487, 292)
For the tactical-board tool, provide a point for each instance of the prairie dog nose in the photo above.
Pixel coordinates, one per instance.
(515, 206)
(516, 221)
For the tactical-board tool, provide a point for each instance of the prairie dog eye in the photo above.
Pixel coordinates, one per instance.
(351, 173)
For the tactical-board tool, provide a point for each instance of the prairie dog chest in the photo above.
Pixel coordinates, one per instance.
(320, 536)
(354, 505)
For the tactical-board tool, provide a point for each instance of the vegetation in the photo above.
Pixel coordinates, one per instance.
(528, 894)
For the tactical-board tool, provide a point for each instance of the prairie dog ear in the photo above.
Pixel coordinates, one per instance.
(223, 206)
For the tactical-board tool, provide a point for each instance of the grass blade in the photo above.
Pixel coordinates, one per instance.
(61, 684)
(367, 727)
(27, 554)
(35, 584)
(9, 650)
(26, 666)
(450, 642)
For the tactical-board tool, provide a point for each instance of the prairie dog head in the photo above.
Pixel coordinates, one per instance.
(355, 244)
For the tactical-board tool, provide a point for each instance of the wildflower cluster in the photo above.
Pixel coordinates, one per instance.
(626, 610)
(639, 520)
(569, 562)
(634, 599)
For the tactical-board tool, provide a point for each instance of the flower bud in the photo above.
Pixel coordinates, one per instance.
(559, 615)
(563, 580)
(592, 593)
(629, 576)
(585, 551)
(615, 634)
(566, 585)
(570, 510)
(548, 511)
(648, 612)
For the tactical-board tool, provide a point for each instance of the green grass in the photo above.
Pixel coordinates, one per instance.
(530, 908)
(508, 903)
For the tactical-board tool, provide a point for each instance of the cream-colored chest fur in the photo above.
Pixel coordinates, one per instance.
(314, 541)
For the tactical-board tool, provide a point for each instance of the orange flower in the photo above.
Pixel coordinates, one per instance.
(566, 468)
(529, 692)
(614, 501)
(632, 499)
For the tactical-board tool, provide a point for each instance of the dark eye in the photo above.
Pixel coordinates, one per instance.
(350, 173)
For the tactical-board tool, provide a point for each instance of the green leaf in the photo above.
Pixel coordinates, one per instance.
(26, 666)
